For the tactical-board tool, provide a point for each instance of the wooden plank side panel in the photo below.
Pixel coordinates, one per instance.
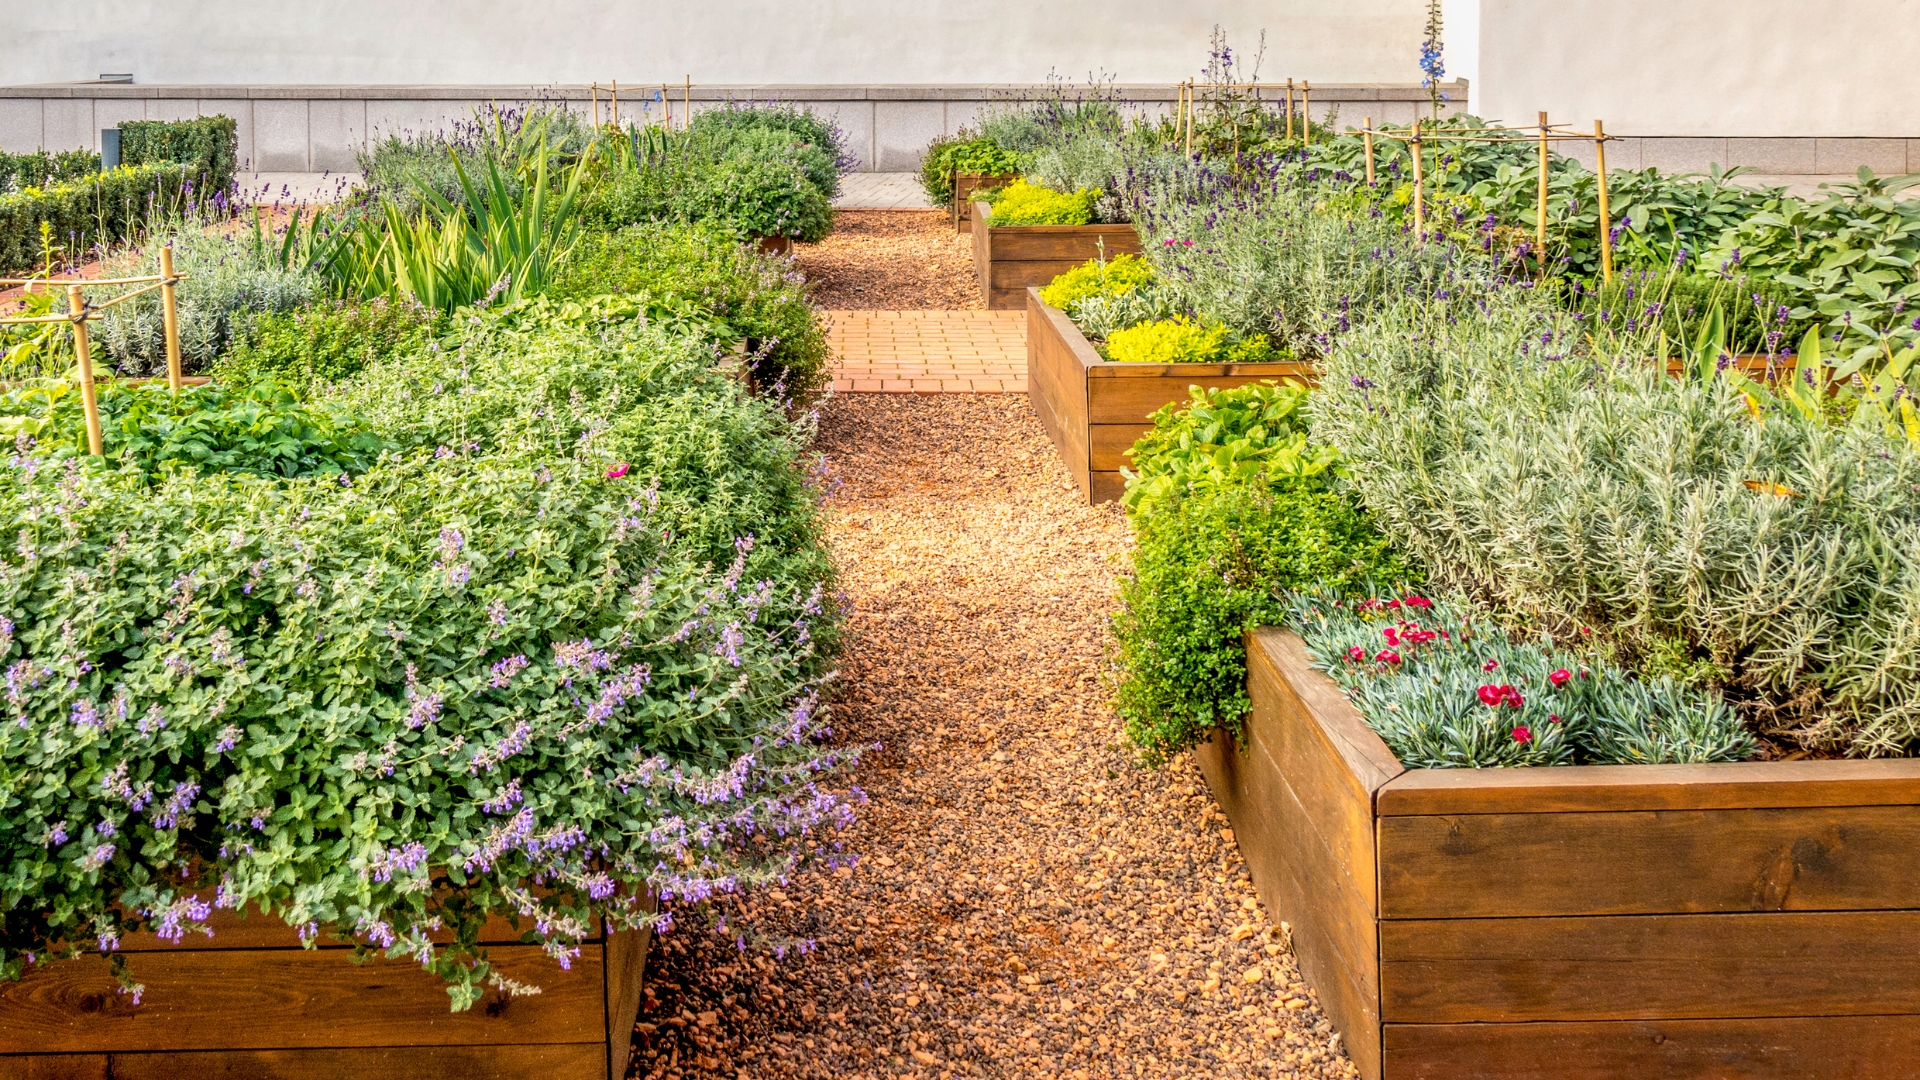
(1734, 785)
(1847, 858)
(1071, 244)
(215, 999)
(1056, 378)
(548, 1061)
(1107, 445)
(1105, 487)
(1119, 399)
(1292, 866)
(983, 253)
(1008, 273)
(1777, 1048)
(56, 1067)
(626, 969)
(1650, 967)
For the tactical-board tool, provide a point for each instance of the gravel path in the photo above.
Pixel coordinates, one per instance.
(1029, 902)
(893, 259)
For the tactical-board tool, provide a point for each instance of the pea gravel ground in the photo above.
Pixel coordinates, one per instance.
(1029, 902)
(897, 260)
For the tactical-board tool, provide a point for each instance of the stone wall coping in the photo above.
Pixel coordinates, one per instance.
(1132, 92)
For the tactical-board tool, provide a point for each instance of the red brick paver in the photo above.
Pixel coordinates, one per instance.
(929, 352)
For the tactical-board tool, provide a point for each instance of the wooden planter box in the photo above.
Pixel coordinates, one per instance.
(1008, 258)
(1753, 920)
(1095, 410)
(250, 1003)
(964, 185)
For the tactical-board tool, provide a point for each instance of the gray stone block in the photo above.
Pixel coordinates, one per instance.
(1883, 156)
(855, 119)
(338, 130)
(68, 125)
(962, 114)
(173, 109)
(281, 135)
(1773, 156)
(1675, 155)
(20, 120)
(902, 130)
(112, 112)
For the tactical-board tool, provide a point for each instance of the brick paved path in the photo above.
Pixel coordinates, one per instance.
(929, 352)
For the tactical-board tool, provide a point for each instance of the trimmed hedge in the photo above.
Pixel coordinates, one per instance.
(101, 209)
(210, 144)
(39, 167)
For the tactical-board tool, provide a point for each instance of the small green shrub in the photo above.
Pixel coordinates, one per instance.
(977, 156)
(1254, 434)
(208, 145)
(328, 342)
(1178, 340)
(256, 428)
(755, 196)
(1117, 276)
(781, 131)
(38, 168)
(703, 273)
(1205, 569)
(99, 209)
(1021, 203)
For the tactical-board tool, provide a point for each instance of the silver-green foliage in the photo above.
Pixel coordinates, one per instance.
(1590, 487)
(1447, 689)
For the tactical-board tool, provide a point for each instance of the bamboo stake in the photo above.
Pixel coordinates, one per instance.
(1419, 197)
(1289, 110)
(89, 399)
(1540, 221)
(170, 318)
(1306, 107)
(1189, 117)
(687, 111)
(1606, 218)
(1367, 136)
(614, 96)
(666, 107)
(595, 89)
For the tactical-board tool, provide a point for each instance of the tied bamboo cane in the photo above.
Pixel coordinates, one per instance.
(1367, 135)
(1540, 223)
(83, 351)
(1606, 217)
(1306, 112)
(170, 317)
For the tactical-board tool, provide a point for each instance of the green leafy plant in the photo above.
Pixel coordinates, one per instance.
(963, 153)
(1251, 435)
(1178, 340)
(328, 342)
(1097, 277)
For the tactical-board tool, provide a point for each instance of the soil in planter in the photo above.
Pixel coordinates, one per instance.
(892, 260)
(1028, 901)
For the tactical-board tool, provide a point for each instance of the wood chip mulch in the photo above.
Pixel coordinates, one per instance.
(1029, 902)
(891, 259)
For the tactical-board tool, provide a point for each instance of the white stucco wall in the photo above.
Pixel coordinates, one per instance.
(714, 41)
(1736, 68)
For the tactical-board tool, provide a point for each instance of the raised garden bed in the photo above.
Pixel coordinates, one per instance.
(250, 1002)
(1094, 410)
(964, 185)
(1009, 258)
(1750, 920)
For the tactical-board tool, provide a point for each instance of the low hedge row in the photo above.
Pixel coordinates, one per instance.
(78, 215)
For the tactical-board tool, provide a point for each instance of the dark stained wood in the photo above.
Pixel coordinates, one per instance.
(1649, 862)
(535, 1061)
(1107, 445)
(1115, 399)
(1057, 358)
(1650, 967)
(1737, 785)
(219, 999)
(1018, 275)
(1105, 487)
(259, 931)
(1776, 1048)
(964, 185)
(626, 967)
(56, 1067)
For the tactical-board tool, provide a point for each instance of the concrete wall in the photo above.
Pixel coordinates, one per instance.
(456, 42)
(319, 128)
(1726, 71)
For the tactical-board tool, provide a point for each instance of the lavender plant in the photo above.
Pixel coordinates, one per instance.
(558, 652)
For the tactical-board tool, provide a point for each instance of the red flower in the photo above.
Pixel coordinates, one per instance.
(1490, 696)
(1392, 636)
(1490, 664)
(1522, 735)
(1418, 601)
(1560, 677)
(1553, 718)
(1586, 630)
(1356, 654)
(1495, 696)
(1387, 656)
(617, 471)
